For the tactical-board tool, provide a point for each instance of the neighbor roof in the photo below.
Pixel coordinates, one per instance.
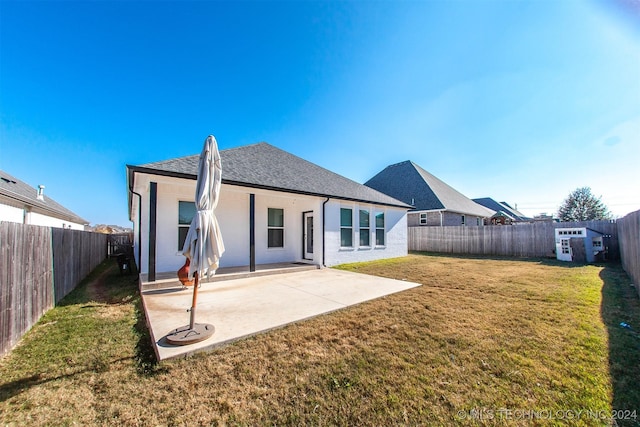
(410, 183)
(489, 203)
(265, 166)
(13, 189)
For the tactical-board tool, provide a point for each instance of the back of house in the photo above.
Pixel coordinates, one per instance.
(274, 207)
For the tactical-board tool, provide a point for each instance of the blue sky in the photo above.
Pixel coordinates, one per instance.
(521, 101)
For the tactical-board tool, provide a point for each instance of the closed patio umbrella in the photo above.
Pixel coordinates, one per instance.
(203, 244)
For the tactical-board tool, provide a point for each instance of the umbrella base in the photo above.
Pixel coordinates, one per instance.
(185, 335)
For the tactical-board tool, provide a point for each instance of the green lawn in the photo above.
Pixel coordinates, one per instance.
(482, 342)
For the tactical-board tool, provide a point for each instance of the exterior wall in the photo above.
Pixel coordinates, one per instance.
(395, 238)
(11, 214)
(447, 218)
(15, 214)
(49, 221)
(232, 213)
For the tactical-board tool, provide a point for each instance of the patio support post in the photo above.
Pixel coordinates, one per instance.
(153, 211)
(252, 232)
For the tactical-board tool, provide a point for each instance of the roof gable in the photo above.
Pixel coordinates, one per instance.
(412, 184)
(15, 189)
(265, 166)
(489, 203)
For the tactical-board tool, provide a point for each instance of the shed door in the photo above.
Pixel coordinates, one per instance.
(564, 250)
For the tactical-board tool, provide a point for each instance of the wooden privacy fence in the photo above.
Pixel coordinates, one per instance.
(38, 267)
(535, 239)
(75, 254)
(629, 235)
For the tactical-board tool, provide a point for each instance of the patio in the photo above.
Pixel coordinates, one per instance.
(249, 305)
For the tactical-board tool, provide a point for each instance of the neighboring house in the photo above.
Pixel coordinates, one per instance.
(19, 202)
(505, 214)
(273, 207)
(435, 203)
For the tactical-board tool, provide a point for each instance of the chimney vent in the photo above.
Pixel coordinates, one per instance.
(40, 192)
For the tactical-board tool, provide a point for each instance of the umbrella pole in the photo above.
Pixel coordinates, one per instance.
(193, 332)
(192, 321)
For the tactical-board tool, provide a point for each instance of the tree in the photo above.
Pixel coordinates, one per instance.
(581, 205)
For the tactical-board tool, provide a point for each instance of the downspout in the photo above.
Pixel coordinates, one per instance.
(323, 229)
(139, 225)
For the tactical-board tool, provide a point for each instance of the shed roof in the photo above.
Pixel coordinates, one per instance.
(14, 189)
(264, 166)
(412, 184)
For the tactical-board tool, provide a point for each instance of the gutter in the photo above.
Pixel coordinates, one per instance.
(172, 174)
(323, 230)
(139, 225)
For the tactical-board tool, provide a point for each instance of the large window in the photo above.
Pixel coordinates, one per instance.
(365, 234)
(275, 228)
(380, 229)
(346, 228)
(186, 212)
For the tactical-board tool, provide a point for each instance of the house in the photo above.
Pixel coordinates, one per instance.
(22, 203)
(435, 203)
(504, 213)
(274, 207)
(579, 244)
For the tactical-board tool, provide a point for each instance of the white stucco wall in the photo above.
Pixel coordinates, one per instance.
(395, 239)
(49, 221)
(11, 213)
(15, 214)
(232, 213)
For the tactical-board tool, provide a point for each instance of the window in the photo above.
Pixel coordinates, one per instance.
(423, 219)
(365, 235)
(186, 212)
(478, 221)
(565, 246)
(275, 228)
(462, 219)
(346, 228)
(380, 229)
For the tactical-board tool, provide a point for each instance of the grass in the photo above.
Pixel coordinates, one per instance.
(483, 335)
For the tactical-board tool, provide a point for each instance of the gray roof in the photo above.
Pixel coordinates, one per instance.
(265, 166)
(410, 183)
(21, 192)
(489, 203)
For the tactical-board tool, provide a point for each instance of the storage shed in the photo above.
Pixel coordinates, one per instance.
(580, 244)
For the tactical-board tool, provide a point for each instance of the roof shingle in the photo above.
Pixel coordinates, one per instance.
(410, 183)
(265, 166)
(12, 188)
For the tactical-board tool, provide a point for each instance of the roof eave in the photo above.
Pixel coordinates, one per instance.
(173, 174)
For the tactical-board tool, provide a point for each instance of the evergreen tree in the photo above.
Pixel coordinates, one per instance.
(581, 205)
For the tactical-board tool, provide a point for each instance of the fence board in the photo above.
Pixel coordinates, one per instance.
(520, 240)
(629, 236)
(27, 279)
(38, 267)
(76, 253)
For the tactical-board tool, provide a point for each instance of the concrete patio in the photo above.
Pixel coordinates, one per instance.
(246, 306)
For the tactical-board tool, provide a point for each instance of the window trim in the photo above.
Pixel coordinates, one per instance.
(276, 227)
(383, 228)
(183, 226)
(366, 228)
(422, 221)
(346, 227)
